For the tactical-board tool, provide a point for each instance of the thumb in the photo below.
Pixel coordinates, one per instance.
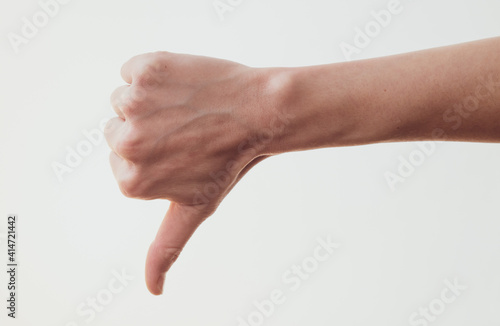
(179, 224)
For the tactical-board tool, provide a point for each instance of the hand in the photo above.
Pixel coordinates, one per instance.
(188, 128)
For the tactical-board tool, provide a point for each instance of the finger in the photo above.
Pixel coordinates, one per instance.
(126, 70)
(133, 67)
(179, 224)
(118, 100)
(143, 69)
(118, 165)
(113, 131)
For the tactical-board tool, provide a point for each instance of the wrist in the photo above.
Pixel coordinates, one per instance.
(279, 118)
(309, 109)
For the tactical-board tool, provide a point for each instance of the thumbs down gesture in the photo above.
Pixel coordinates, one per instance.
(188, 128)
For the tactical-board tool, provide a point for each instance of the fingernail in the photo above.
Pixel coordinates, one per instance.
(160, 282)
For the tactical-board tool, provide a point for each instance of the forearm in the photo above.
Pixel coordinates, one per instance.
(447, 93)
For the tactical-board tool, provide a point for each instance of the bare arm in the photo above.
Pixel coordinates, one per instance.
(190, 127)
(447, 93)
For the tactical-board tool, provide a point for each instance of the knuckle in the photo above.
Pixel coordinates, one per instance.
(129, 109)
(130, 145)
(169, 254)
(154, 70)
(112, 124)
(145, 79)
(157, 58)
(116, 97)
(172, 254)
(135, 99)
(131, 186)
(127, 190)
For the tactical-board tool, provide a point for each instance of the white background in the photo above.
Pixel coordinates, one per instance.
(397, 247)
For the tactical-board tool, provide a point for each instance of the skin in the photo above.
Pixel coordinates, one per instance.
(190, 127)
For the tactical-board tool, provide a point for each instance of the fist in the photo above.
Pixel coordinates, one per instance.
(188, 128)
